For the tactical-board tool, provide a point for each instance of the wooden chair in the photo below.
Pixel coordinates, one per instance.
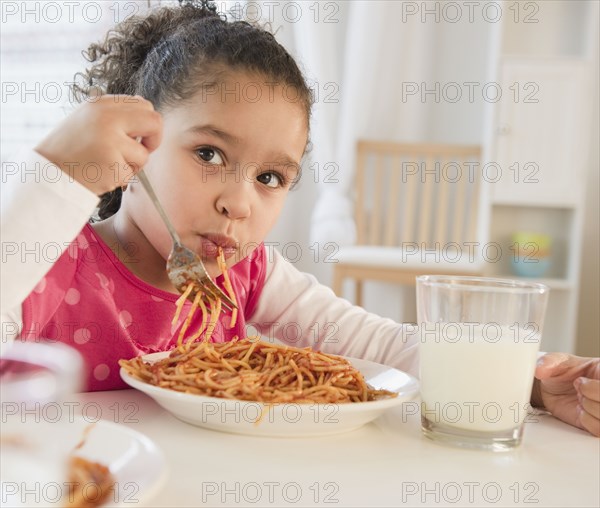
(416, 212)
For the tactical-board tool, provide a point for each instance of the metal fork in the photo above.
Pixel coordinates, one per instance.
(184, 266)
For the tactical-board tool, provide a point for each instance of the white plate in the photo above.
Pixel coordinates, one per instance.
(34, 474)
(286, 420)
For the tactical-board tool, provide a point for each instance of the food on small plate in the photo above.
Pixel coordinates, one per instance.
(90, 484)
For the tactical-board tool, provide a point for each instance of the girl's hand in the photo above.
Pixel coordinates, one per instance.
(569, 387)
(96, 144)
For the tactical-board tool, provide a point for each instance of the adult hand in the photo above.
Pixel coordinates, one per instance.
(96, 144)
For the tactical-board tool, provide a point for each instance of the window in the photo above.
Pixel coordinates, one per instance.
(41, 52)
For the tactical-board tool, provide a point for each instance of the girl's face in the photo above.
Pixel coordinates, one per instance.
(222, 171)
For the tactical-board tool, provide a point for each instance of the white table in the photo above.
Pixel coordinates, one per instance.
(385, 463)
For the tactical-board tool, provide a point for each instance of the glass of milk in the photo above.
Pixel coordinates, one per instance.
(479, 343)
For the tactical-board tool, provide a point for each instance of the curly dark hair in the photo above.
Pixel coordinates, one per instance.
(168, 55)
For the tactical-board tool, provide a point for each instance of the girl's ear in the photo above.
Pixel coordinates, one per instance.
(308, 149)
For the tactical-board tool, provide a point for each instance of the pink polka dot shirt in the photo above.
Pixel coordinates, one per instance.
(92, 302)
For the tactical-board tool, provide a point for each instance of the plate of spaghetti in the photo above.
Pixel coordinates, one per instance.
(255, 387)
(250, 386)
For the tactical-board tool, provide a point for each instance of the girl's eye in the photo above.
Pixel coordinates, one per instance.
(271, 179)
(209, 155)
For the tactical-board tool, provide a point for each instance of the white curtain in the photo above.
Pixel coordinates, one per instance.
(359, 62)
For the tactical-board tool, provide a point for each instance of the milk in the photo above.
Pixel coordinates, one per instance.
(477, 377)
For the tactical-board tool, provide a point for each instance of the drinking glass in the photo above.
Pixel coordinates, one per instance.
(480, 339)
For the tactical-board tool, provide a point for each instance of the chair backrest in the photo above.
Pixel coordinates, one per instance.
(426, 194)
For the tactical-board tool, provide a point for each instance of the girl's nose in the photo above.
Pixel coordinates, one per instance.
(234, 201)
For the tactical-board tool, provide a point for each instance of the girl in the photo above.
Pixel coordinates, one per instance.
(222, 144)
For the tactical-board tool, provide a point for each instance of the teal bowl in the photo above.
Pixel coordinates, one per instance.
(530, 267)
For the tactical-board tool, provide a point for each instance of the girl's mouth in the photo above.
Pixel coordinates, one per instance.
(210, 243)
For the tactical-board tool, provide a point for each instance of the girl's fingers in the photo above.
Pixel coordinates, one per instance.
(565, 367)
(148, 126)
(135, 157)
(151, 141)
(591, 407)
(589, 388)
(554, 364)
(589, 422)
(588, 391)
(139, 117)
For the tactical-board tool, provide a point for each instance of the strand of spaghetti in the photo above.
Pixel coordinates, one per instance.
(276, 373)
(234, 315)
(213, 320)
(196, 335)
(219, 305)
(228, 286)
(297, 374)
(308, 374)
(229, 366)
(251, 349)
(188, 319)
(215, 312)
(221, 260)
(180, 301)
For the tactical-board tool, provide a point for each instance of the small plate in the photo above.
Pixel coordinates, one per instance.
(35, 451)
(282, 420)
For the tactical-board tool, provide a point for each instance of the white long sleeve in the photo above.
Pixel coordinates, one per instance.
(295, 309)
(42, 212)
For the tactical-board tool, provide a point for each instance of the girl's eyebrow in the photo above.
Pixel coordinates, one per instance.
(279, 158)
(214, 131)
